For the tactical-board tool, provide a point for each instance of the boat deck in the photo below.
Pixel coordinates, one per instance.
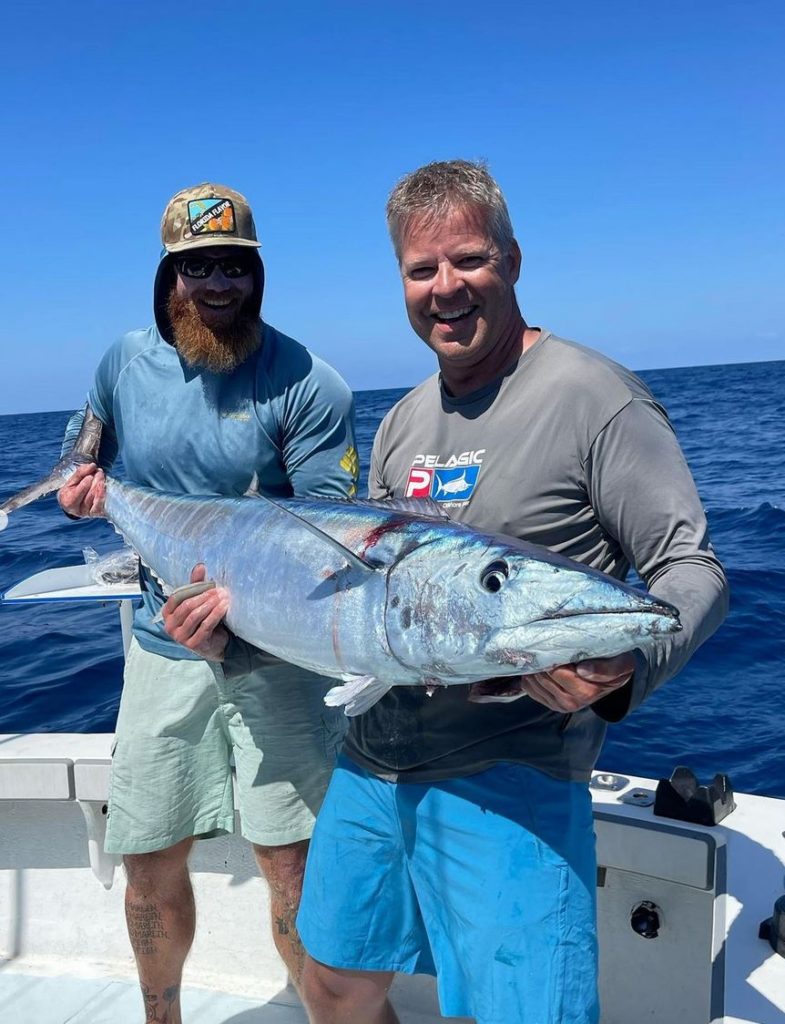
(28, 998)
(65, 956)
(38, 999)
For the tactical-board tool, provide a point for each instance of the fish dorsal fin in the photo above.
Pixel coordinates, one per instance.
(426, 508)
(354, 560)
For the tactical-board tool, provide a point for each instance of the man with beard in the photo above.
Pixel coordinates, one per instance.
(212, 400)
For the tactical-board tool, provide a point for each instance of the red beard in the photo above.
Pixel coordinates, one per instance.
(218, 350)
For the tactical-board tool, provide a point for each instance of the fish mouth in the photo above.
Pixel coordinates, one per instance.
(662, 608)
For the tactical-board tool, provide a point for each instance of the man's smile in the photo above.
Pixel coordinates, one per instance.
(451, 316)
(215, 302)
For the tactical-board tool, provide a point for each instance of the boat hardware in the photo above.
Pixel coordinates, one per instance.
(646, 920)
(773, 928)
(639, 797)
(608, 781)
(683, 798)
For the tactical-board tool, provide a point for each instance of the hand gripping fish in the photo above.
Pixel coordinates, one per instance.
(375, 593)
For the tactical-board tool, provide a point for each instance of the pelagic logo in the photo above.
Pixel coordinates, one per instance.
(211, 216)
(451, 479)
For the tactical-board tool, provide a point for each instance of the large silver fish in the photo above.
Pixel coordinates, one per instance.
(378, 593)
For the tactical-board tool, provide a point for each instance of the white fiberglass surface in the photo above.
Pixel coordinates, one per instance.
(62, 999)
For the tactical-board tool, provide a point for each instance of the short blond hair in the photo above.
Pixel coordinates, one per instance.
(438, 187)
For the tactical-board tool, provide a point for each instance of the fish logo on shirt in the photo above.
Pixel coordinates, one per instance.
(445, 480)
(453, 487)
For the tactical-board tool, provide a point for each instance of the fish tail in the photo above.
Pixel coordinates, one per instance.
(85, 450)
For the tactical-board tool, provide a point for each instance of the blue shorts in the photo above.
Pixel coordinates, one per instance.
(486, 881)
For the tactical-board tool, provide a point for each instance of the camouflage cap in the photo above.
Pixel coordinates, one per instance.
(207, 214)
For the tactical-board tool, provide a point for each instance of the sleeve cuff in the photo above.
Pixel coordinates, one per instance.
(621, 702)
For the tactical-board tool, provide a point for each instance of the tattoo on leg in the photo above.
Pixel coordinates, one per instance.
(288, 942)
(281, 925)
(285, 884)
(171, 994)
(145, 925)
(151, 1007)
(149, 1003)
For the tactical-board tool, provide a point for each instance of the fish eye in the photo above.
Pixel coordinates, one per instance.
(493, 575)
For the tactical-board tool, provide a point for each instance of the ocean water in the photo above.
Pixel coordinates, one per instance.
(61, 664)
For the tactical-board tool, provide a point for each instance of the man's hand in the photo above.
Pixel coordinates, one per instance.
(566, 688)
(196, 622)
(84, 493)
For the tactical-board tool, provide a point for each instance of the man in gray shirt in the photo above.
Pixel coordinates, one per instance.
(460, 824)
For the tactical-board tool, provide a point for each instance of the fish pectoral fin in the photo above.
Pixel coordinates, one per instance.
(357, 695)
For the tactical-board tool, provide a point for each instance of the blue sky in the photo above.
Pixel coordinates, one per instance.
(640, 147)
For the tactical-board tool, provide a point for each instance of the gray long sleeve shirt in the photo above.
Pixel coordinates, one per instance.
(570, 451)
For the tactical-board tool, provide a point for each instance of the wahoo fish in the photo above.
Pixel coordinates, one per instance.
(376, 593)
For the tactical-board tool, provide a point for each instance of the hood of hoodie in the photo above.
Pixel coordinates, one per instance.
(164, 280)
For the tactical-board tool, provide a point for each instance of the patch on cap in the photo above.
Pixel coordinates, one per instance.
(207, 215)
(211, 216)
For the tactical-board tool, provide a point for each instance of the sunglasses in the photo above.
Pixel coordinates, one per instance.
(236, 265)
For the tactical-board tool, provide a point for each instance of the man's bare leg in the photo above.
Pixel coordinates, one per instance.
(347, 997)
(283, 868)
(159, 911)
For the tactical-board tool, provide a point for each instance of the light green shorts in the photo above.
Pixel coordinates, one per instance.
(178, 726)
